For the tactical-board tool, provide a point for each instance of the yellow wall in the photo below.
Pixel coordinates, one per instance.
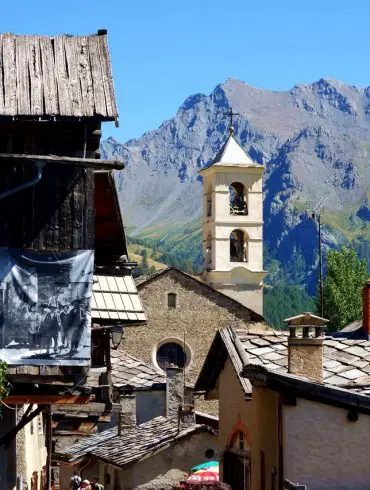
(257, 418)
(264, 434)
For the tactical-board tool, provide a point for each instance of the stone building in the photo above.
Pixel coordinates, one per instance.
(183, 315)
(273, 387)
(158, 453)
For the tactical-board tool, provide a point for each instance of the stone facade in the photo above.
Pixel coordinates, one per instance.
(306, 358)
(200, 312)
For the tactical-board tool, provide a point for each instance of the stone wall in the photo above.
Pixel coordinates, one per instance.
(200, 312)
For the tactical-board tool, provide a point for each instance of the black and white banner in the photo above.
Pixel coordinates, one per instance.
(45, 307)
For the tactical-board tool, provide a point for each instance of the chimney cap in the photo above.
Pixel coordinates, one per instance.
(306, 320)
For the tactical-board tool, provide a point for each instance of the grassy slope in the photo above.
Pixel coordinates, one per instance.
(133, 248)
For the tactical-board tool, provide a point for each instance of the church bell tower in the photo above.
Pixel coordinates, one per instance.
(233, 225)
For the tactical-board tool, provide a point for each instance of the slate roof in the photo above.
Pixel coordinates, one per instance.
(116, 298)
(346, 361)
(134, 443)
(127, 371)
(61, 76)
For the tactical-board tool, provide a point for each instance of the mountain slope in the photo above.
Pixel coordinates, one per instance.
(314, 140)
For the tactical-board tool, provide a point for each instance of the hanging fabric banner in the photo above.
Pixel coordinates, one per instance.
(45, 307)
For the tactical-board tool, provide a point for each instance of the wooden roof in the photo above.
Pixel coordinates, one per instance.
(65, 76)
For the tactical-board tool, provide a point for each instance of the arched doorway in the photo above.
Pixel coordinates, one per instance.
(238, 246)
(236, 462)
(238, 199)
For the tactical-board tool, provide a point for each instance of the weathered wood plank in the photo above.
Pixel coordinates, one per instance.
(35, 72)
(89, 211)
(65, 107)
(46, 399)
(23, 82)
(107, 77)
(81, 162)
(48, 76)
(10, 75)
(97, 76)
(70, 46)
(78, 210)
(1, 76)
(65, 235)
(86, 82)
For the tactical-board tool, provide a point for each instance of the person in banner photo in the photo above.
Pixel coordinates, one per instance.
(45, 307)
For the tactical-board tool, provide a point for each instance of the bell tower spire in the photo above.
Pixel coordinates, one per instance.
(232, 224)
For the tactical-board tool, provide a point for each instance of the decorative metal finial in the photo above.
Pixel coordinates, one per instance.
(231, 114)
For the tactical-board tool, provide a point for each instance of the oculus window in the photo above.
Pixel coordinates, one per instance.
(171, 353)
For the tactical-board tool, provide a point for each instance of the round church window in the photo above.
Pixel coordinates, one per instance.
(171, 352)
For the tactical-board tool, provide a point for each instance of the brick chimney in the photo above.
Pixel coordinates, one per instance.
(305, 349)
(174, 391)
(366, 309)
(127, 415)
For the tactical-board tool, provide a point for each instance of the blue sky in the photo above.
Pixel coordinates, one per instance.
(163, 51)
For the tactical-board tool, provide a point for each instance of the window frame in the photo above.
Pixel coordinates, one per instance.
(172, 340)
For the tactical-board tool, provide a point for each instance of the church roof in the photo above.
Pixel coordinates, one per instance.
(232, 154)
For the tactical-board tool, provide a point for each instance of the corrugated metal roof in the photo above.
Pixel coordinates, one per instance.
(56, 76)
(116, 298)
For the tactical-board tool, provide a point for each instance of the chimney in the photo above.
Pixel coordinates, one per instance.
(366, 309)
(305, 349)
(186, 416)
(174, 391)
(127, 414)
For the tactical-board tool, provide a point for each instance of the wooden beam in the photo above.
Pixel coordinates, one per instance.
(47, 399)
(63, 160)
(27, 417)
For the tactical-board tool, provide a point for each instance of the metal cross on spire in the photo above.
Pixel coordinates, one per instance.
(231, 114)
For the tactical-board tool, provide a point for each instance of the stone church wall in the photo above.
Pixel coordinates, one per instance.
(200, 312)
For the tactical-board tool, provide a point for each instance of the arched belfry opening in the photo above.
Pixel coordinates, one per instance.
(238, 246)
(208, 251)
(238, 199)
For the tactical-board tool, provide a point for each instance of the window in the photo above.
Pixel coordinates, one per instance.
(210, 453)
(208, 254)
(238, 246)
(209, 205)
(31, 427)
(171, 300)
(238, 199)
(40, 423)
(171, 353)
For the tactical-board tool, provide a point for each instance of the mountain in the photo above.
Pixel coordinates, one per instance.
(315, 142)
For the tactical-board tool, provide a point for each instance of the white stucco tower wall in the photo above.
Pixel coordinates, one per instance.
(241, 279)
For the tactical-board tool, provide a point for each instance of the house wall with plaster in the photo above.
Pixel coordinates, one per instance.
(323, 449)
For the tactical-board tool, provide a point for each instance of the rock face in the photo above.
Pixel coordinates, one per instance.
(314, 140)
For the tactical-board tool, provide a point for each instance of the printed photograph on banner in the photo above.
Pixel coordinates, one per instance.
(45, 307)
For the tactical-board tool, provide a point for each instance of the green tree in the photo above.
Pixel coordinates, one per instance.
(145, 255)
(345, 278)
(282, 301)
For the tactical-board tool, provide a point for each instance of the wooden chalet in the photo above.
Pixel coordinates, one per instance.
(58, 195)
